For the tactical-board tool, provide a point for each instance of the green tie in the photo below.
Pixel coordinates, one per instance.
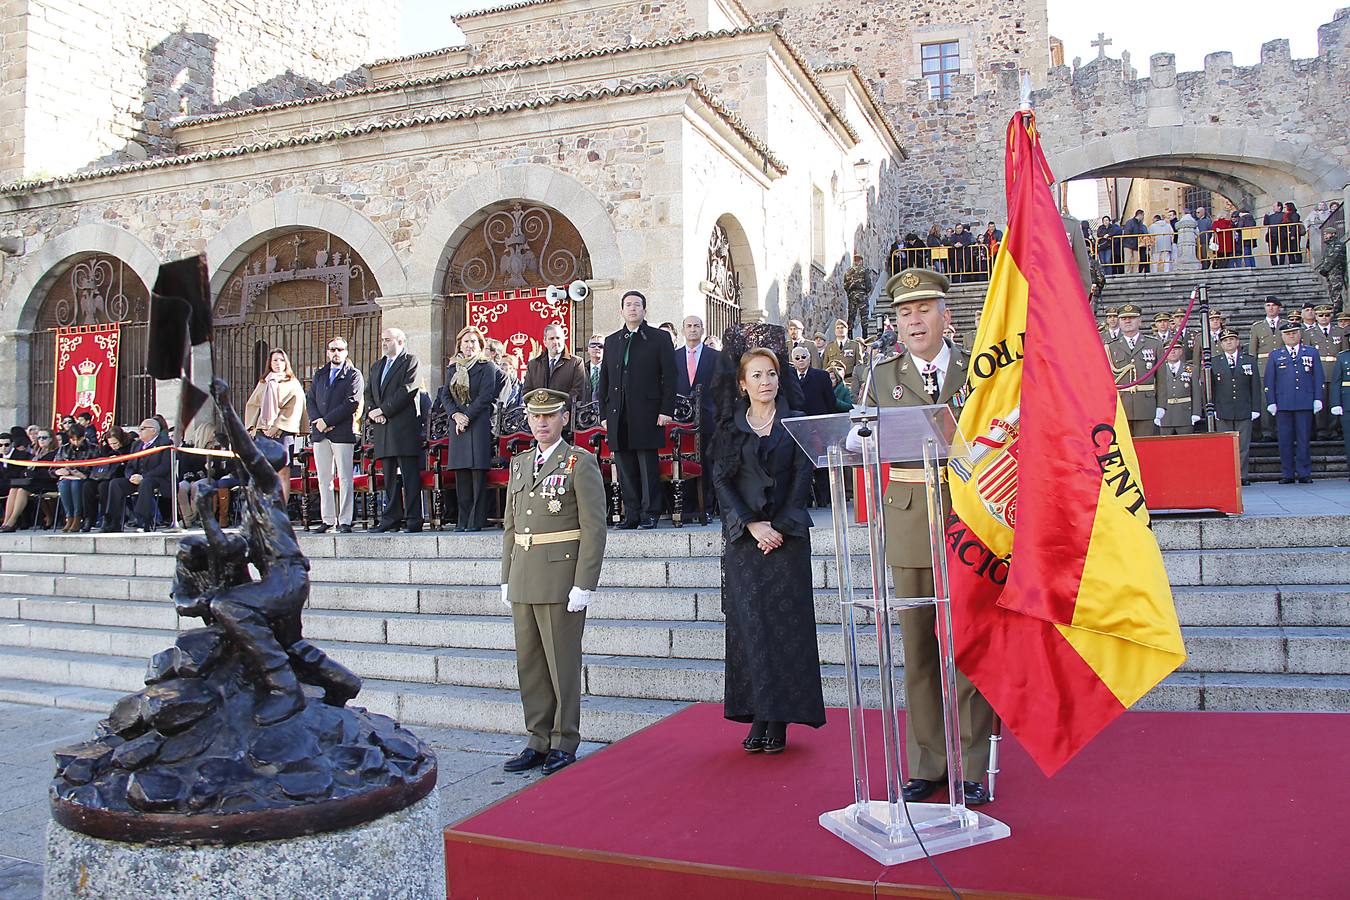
(627, 345)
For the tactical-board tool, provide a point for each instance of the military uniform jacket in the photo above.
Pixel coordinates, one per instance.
(844, 356)
(1128, 364)
(1237, 388)
(568, 494)
(1340, 382)
(1326, 345)
(1293, 378)
(898, 382)
(1264, 339)
(1178, 395)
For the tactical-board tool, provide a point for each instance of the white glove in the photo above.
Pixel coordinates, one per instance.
(504, 600)
(1255, 416)
(1195, 420)
(1271, 409)
(1158, 417)
(577, 599)
(1337, 411)
(1317, 406)
(853, 443)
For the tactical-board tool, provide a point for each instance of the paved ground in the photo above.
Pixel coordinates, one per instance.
(1329, 496)
(469, 762)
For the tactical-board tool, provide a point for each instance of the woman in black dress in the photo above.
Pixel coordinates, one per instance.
(472, 383)
(25, 481)
(763, 483)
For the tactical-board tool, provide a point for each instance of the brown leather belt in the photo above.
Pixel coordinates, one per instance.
(552, 537)
(915, 476)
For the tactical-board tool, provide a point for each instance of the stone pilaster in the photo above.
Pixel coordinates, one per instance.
(15, 349)
(422, 318)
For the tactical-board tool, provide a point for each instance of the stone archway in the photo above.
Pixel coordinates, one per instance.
(730, 287)
(453, 218)
(230, 246)
(1235, 162)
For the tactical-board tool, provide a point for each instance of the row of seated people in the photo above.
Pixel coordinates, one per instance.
(681, 465)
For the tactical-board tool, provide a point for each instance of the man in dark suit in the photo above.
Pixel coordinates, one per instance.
(1237, 392)
(818, 400)
(391, 398)
(695, 365)
(595, 353)
(333, 403)
(637, 387)
(143, 477)
(556, 369)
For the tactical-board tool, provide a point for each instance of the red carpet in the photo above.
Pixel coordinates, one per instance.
(1162, 805)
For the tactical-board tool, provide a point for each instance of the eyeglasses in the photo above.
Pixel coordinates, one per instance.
(44, 437)
(596, 346)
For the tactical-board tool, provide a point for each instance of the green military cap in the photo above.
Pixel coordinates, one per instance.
(1112, 311)
(1180, 312)
(916, 284)
(1215, 314)
(1323, 310)
(1227, 333)
(1343, 317)
(1129, 310)
(1162, 317)
(1271, 298)
(544, 402)
(1291, 326)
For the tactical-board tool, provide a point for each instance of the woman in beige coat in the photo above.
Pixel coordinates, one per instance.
(276, 408)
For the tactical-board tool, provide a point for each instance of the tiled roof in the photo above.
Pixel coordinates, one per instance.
(668, 84)
(876, 103)
(425, 54)
(393, 86)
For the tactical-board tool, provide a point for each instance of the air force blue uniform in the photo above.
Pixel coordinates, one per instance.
(1293, 381)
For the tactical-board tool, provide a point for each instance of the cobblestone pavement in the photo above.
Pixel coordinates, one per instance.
(470, 778)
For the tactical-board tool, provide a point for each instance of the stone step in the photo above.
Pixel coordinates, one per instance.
(1257, 566)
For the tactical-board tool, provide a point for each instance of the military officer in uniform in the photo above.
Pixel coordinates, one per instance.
(932, 370)
(1340, 396)
(844, 353)
(1188, 338)
(551, 555)
(1178, 395)
(1237, 393)
(1261, 341)
(1323, 339)
(1293, 383)
(1112, 327)
(1162, 328)
(1133, 355)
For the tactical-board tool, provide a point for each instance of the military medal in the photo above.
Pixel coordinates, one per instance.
(897, 392)
(555, 506)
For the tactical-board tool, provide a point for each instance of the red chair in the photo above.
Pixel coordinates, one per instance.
(590, 436)
(681, 458)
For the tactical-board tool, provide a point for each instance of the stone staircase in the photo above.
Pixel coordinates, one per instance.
(1239, 293)
(418, 617)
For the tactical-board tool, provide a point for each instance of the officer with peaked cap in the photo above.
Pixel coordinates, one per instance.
(931, 370)
(1293, 382)
(551, 555)
(1237, 393)
(1322, 337)
(1133, 355)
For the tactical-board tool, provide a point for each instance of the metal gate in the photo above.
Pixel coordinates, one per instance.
(722, 290)
(234, 352)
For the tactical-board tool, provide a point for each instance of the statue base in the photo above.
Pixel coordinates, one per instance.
(397, 855)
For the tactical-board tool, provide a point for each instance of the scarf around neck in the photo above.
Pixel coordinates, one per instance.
(459, 382)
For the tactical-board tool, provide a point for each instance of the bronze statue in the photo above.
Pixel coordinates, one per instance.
(224, 745)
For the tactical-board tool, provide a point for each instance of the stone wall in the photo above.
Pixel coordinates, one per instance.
(98, 81)
(550, 28)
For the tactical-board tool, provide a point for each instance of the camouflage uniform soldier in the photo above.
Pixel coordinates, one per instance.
(1132, 356)
(1332, 268)
(858, 288)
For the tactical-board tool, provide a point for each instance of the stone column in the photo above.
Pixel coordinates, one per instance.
(422, 319)
(14, 400)
(1187, 238)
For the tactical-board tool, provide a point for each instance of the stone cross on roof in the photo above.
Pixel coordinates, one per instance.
(1101, 43)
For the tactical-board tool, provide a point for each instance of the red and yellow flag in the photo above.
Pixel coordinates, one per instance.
(1062, 610)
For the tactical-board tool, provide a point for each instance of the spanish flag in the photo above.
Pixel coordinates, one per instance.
(1062, 613)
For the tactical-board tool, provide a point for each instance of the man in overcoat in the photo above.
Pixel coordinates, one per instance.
(391, 401)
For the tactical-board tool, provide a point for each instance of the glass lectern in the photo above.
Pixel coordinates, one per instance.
(892, 831)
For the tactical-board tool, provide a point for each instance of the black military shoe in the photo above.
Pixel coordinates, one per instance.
(344, 529)
(526, 759)
(320, 528)
(918, 789)
(558, 759)
(976, 793)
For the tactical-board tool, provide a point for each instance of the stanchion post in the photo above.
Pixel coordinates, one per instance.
(1207, 361)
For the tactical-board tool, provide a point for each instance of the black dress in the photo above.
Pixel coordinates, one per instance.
(772, 662)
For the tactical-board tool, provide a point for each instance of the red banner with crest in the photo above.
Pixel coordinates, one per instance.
(86, 374)
(517, 319)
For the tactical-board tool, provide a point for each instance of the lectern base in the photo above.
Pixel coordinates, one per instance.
(866, 827)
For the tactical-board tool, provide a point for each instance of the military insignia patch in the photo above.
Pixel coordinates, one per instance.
(909, 280)
(898, 392)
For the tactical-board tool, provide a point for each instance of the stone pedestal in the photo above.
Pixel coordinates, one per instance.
(1187, 240)
(400, 855)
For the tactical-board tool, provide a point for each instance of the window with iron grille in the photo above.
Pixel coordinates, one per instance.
(940, 63)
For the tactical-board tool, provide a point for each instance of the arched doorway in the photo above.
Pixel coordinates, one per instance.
(729, 282)
(95, 289)
(514, 247)
(295, 291)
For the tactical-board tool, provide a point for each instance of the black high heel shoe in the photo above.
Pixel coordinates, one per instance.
(775, 738)
(754, 741)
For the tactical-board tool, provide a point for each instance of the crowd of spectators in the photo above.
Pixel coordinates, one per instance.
(959, 252)
(1232, 239)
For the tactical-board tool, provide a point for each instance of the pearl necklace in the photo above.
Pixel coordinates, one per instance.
(761, 430)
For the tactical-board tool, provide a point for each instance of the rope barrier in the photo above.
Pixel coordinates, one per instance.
(109, 460)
